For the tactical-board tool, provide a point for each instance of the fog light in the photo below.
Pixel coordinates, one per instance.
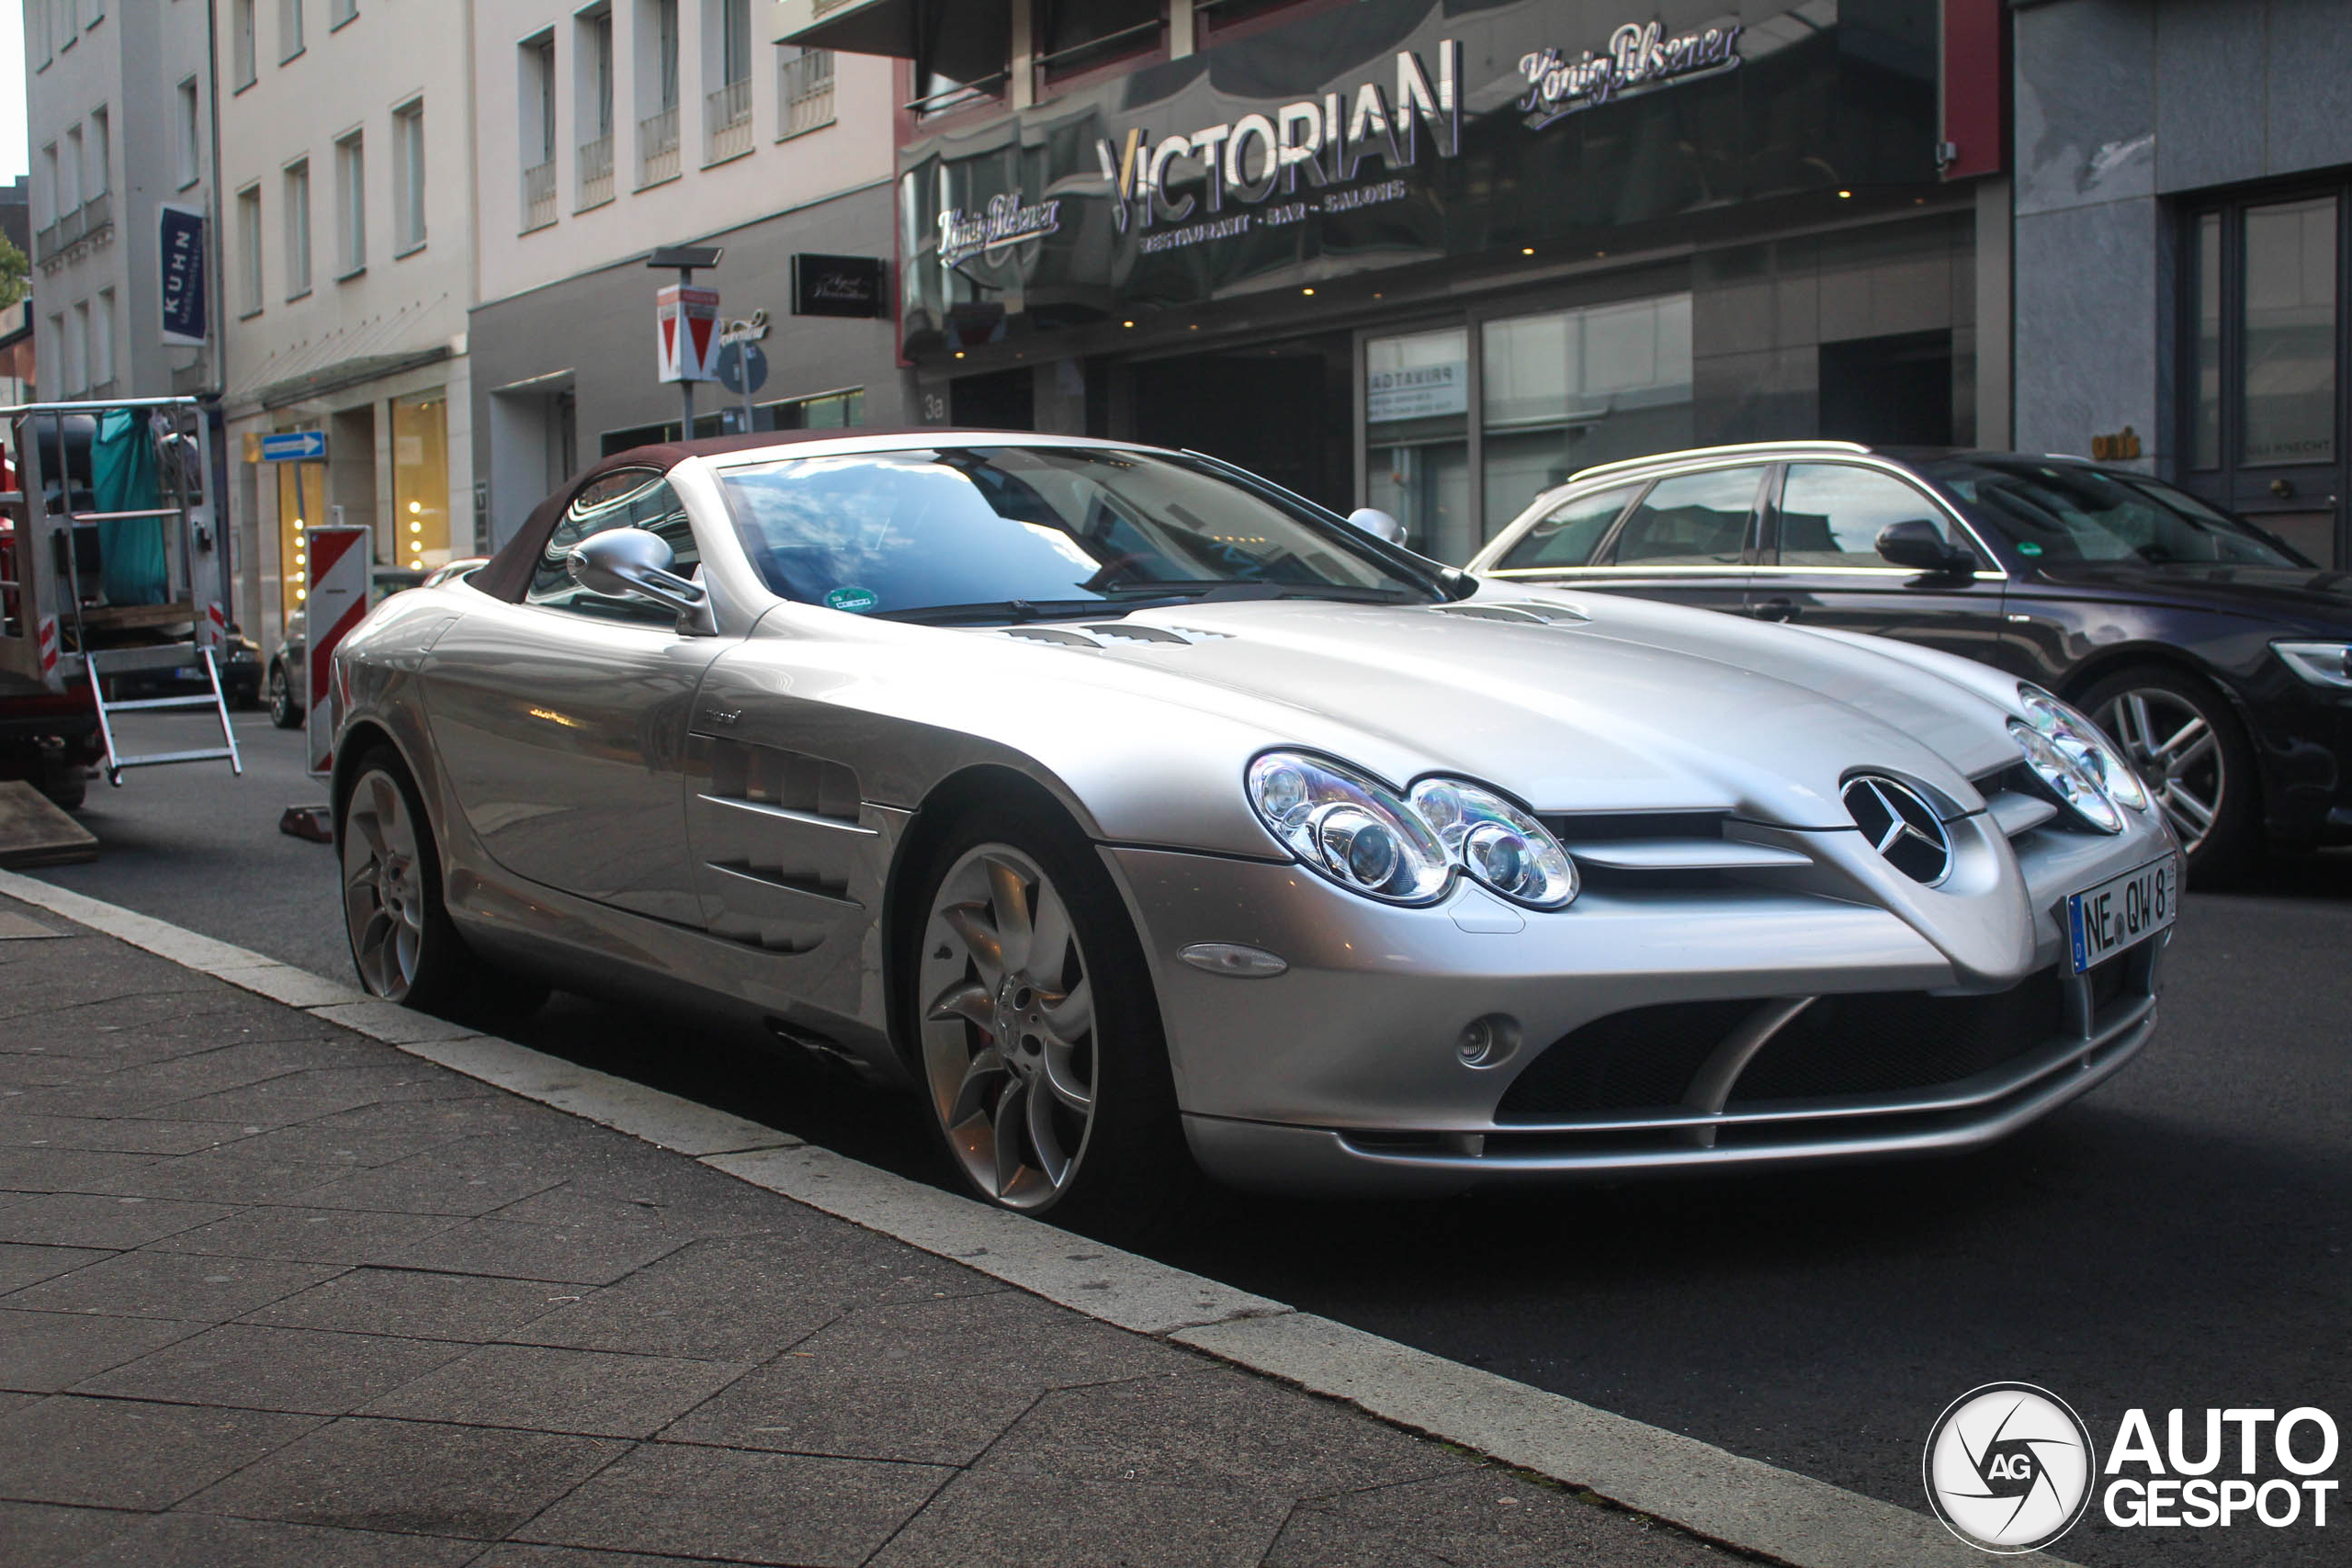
(1488, 1042)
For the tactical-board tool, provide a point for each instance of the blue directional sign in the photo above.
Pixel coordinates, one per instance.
(295, 446)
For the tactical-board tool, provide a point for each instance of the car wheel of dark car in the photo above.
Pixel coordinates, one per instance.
(66, 783)
(403, 940)
(1035, 1028)
(282, 711)
(2188, 748)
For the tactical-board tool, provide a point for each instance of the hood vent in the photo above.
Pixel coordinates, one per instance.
(1525, 613)
(1105, 633)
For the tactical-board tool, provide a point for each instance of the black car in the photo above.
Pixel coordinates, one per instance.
(2218, 657)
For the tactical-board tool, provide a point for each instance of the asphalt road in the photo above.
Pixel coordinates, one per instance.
(2178, 1240)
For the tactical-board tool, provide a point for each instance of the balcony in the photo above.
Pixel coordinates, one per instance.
(539, 195)
(46, 244)
(727, 122)
(595, 173)
(657, 148)
(803, 93)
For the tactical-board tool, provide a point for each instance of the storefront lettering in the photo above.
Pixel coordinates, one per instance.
(1320, 143)
(1639, 55)
(1004, 224)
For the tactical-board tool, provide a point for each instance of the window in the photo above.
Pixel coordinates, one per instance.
(53, 188)
(535, 102)
(351, 205)
(408, 177)
(44, 48)
(188, 134)
(727, 112)
(630, 498)
(1691, 520)
(421, 480)
(98, 181)
(1831, 513)
(826, 410)
(2290, 333)
(804, 90)
(1418, 463)
(340, 12)
(70, 172)
(1567, 389)
(2066, 512)
(298, 229)
(1569, 533)
(249, 251)
(657, 91)
(68, 27)
(102, 339)
(1075, 34)
(94, 11)
(591, 95)
(290, 30)
(241, 51)
(77, 348)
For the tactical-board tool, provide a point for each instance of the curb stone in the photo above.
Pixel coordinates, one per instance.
(1708, 1491)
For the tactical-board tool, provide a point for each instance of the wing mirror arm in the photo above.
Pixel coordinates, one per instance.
(633, 563)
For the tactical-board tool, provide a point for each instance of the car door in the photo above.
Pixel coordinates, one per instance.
(561, 721)
(1820, 565)
(1685, 540)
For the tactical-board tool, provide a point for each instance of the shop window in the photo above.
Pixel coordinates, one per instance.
(1567, 389)
(827, 411)
(1691, 520)
(2290, 386)
(420, 482)
(301, 504)
(1416, 403)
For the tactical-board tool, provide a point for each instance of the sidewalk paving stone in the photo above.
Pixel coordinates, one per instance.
(191, 1286)
(246, 1366)
(339, 1305)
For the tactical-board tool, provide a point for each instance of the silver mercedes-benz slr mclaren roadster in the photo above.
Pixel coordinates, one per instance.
(1138, 812)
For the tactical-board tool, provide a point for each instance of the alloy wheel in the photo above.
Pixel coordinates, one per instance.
(281, 700)
(2170, 742)
(383, 886)
(1008, 1027)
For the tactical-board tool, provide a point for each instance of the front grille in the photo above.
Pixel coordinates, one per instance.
(1877, 1043)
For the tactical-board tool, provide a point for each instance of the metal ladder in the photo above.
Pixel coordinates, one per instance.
(128, 661)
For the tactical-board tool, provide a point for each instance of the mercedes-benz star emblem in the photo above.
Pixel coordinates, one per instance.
(1901, 826)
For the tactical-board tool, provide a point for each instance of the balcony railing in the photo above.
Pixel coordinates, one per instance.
(657, 148)
(727, 121)
(97, 214)
(539, 195)
(596, 172)
(803, 93)
(46, 244)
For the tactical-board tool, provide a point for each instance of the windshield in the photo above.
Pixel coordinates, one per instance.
(2063, 514)
(1021, 532)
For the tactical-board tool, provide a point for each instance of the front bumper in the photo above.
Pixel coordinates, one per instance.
(1343, 1074)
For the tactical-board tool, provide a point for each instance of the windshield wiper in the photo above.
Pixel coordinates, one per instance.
(1013, 612)
(1227, 593)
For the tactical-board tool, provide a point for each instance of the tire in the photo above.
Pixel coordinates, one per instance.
(66, 784)
(1080, 1027)
(282, 711)
(404, 944)
(2195, 758)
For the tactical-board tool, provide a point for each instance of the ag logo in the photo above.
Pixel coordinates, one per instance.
(2009, 1467)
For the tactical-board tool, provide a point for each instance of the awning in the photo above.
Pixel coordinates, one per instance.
(853, 27)
(961, 40)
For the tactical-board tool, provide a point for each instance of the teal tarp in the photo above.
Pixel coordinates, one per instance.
(123, 479)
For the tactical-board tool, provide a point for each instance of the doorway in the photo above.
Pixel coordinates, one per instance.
(1888, 391)
(1286, 410)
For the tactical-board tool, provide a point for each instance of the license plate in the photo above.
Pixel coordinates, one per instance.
(2103, 921)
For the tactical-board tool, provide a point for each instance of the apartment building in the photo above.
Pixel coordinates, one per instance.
(118, 106)
(349, 264)
(609, 129)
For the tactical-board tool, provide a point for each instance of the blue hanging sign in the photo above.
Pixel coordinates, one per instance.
(180, 241)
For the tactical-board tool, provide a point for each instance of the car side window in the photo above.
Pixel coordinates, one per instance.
(633, 498)
(1831, 513)
(1566, 535)
(1691, 520)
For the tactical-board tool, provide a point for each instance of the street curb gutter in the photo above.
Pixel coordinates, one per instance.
(1711, 1493)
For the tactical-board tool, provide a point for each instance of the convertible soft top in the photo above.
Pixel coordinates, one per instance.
(509, 572)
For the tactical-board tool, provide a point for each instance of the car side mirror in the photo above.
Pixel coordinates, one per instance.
(627, 563)
(1920, 546)
(1377, 523)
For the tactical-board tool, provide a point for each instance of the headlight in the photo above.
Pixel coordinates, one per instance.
(2067, 779)
(1500, 846)
(1348, 827)
(2321, 663)
(2085, 744)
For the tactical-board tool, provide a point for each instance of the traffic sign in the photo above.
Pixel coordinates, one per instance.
(686, 324)
(294, 446)
(736, 360)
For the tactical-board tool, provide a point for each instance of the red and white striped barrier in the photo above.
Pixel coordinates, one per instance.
(342, 574)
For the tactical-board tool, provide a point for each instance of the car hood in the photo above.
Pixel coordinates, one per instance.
(1612, 704)
(2301, 595)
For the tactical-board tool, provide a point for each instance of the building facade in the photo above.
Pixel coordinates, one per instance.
(118, 97)
(608, 130)
(1434, 257)
(348, 263)
(2183, 187)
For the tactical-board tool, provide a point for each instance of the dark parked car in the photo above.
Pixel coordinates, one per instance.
(2217, 657)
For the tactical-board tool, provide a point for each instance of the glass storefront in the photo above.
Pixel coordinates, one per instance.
(301, 504)
(1417, 465)
(419, 482)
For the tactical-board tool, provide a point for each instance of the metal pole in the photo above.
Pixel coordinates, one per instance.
(686, 383)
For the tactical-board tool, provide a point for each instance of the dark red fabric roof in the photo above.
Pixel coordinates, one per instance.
(510, 570)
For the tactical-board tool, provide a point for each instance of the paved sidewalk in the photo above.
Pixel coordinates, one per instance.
(272, 1293)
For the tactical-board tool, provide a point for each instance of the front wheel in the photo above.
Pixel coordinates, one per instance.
(2181, 739)
(282, 711)
(1040, 1049)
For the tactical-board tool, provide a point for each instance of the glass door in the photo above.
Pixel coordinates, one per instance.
(2264, 352)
